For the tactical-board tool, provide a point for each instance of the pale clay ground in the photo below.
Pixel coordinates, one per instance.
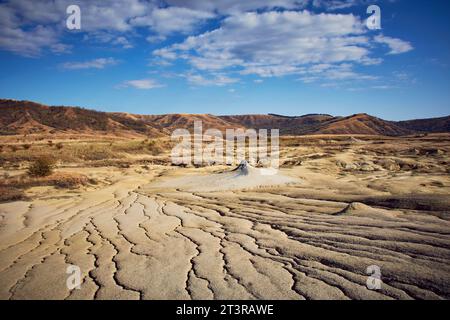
(139, 235)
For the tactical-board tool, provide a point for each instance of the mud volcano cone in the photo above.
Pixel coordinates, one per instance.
(244, 176)
(244, 168)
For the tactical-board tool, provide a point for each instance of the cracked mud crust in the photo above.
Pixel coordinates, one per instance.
(311, 240)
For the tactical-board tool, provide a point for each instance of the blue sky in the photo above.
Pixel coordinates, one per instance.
(289, 57)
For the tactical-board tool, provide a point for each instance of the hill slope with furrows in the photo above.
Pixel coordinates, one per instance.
(362, 124)
(435, 125)
(25, 117)
(272, 121)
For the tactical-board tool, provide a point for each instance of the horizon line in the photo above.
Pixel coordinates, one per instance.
(220, 115)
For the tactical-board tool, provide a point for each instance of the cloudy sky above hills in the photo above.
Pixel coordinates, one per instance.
(229, 56)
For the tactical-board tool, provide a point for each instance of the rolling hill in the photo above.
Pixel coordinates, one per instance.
(25, 117)
(427, 125)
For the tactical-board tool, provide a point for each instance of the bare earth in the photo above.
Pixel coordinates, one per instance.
(311, 233)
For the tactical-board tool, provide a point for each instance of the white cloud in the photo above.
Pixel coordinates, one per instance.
(280, 43)
(383, 87)
(30, 42)
(225, 7)
(27, 42)
(110, 15)
(91, 64)
(214, 80)
(344, 72)
(275, 43)
(252, 37)
(108, 38)
(143, 84)
(60, 48)
(165, 53)
(122, 41)
(335, 73)
(29, 28)
(165, 21)
(335, 4)
(266, 71)
(396, 46)
(114, 18)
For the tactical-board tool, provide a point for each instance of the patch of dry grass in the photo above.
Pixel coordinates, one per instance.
(11, 194)
(57, 179)
(82, 151)
(152, 147)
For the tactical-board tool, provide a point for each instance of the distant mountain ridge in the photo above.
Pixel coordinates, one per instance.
(427, 125)
(26, 117)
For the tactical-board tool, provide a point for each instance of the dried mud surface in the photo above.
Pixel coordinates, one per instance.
(354, 206)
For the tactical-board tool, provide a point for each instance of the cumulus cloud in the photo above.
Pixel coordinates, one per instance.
(280, 43)
(91, 64)
(275, 43)
(331, 5)
(396, 46)
(114, 18)
(164, 21)
(28, 42)
(122, 41)
(335, 73)
(225, 7)
(29, 28)
(142, 84)
(267, 38)
(213, 80)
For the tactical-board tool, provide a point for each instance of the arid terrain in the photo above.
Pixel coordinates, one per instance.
(120, 211)
(224, 158)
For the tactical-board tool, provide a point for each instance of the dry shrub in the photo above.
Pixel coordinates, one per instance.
(57, 179)
(26, 146)
(135, 147)
(294, 162)
(59, 146)
(10, 159)
(11, 194)
(76, 152)
(96, 152)
(42, 166)
(66, 180)
(118, 163)
(13, 148)
(155, 147)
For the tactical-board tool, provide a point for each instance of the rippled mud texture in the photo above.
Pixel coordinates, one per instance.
(309, 240)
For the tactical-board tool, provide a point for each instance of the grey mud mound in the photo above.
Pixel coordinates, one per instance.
(244, 176)
(132, 241)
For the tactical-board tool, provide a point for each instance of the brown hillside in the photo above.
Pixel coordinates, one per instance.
(271, 121)
(25, 117)
(436, 125)
(362, 124)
